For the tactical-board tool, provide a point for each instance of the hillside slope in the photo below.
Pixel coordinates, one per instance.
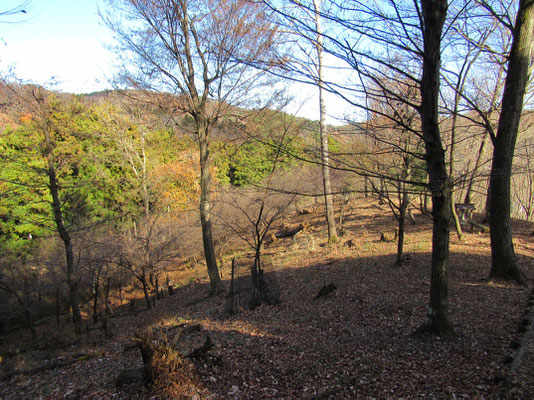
(356, 342)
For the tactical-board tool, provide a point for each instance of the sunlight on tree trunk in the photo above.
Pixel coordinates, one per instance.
(437, 321)
(503, 259)
(325, 161)
(205, 216)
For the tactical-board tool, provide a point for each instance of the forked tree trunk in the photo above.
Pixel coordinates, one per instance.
(434, 13)
(503, 259)
(205, 197)
(256, 289)
(452, 144)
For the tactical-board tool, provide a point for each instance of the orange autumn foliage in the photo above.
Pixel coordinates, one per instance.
(25, 118)
(180, 181)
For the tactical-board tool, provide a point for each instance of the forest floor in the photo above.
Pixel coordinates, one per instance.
(356, 342)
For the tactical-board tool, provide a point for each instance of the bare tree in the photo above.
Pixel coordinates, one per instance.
(374, 39)
(503, 259)
(393, 165)
(17, 10)
(476, 81)
(325, 161)
(144, 254)
(251, 213)
(199, 51)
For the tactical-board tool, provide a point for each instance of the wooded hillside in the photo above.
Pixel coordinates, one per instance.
(182, 235)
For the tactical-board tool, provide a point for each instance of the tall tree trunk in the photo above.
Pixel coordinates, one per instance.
(402, 223)
(96, 294)
(58, 308)
(452, 144)
(146, 195)
(489, 132)
(503, 259)
(480, 155)
(107, 304)
(454, 215)
(487, 206)
(205, 198)
(72, 278)
(325, 157)
(434, 13)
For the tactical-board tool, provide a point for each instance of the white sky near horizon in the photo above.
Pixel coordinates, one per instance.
(64, 41)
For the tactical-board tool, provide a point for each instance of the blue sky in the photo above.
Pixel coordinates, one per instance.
(65, 41)
(57, 39)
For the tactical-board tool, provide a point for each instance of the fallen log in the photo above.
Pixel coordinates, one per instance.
(474, 224)
(49, 365)
(289, 231)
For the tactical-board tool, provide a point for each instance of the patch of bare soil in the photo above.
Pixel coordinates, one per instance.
(355, 342)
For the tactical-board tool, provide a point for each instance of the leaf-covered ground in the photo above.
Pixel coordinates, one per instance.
(357, 342)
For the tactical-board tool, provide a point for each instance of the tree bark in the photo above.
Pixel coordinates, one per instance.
(480, 154)
(325, 157)
(434, 13)
(72, 279)
(402, 223)
(107, 304)
(503, 259)
(454, 215)
(144, 284)
(456, 220)
(58, 308)
(96, 294)
(205, 198)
